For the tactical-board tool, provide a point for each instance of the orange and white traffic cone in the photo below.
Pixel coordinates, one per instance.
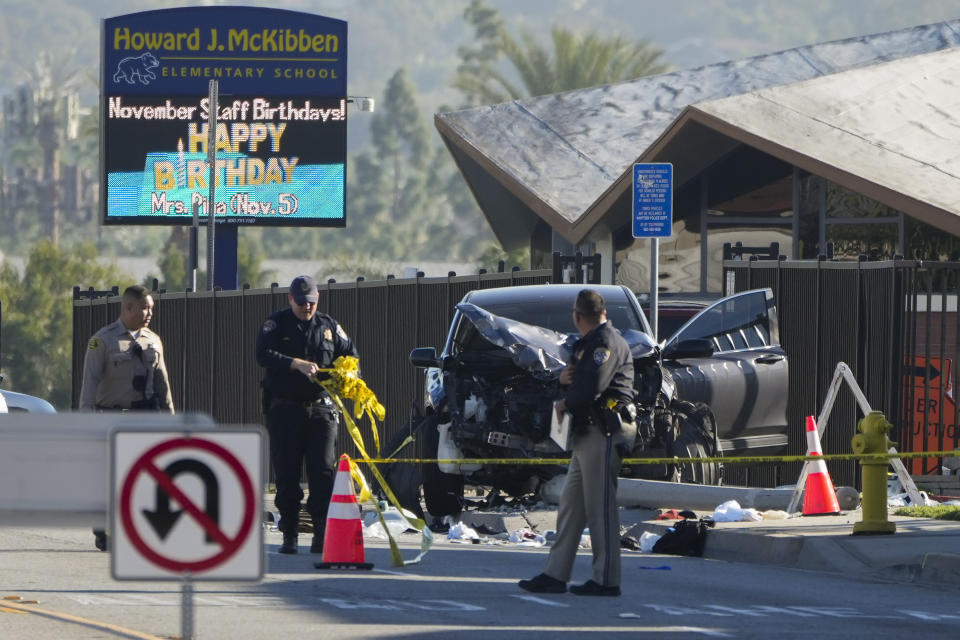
(819, 498)
(343, 539)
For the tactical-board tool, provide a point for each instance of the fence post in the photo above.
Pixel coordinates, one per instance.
(244, 392)
(780, 260)
(446, 292)
(185, 364)
(416, 305)
(213, 354)
(356, 304)
(597, 269)
(818, 331)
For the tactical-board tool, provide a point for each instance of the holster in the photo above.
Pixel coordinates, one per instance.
(610, 421)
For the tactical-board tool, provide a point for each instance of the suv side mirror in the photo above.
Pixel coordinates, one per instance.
(424, 357)
(693, 348)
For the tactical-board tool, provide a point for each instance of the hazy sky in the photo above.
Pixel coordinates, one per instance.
(423, 35)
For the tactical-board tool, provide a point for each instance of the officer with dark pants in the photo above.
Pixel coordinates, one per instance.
(600, 397)
(123, 368)
(293, 345)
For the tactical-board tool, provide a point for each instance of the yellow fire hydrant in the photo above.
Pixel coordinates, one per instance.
(873, 439)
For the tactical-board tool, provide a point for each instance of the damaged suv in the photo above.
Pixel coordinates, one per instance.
(717, 386)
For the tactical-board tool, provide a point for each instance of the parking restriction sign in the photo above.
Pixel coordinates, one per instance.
(652, 200)
(187, 504)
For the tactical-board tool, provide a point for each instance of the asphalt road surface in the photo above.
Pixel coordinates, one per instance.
(54, 585)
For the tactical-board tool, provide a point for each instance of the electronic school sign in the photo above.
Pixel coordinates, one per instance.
(281, 134)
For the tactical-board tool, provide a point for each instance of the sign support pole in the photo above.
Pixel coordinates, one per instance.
(194, 246)
(654, 285)
(186, 608)
(212, 162)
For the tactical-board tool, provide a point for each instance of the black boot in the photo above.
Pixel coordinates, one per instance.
(100, 539)
(289, 542)
(319, 526)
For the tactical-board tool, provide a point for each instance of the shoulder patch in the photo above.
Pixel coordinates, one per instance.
(94, 344)
(269, 325)
(341, 332)
(600, 355)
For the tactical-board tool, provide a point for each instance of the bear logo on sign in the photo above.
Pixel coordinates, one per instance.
(137, 68)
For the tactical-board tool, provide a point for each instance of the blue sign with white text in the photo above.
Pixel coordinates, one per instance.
(652, 200)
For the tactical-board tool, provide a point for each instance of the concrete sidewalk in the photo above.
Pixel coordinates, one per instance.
(921, 550)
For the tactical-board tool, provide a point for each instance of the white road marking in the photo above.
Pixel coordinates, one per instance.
(252, 600)
(549, 603)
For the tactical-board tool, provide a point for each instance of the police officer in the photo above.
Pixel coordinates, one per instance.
(600, 397)
(293, 345)
(123, 369)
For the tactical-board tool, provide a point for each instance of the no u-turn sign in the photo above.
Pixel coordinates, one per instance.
(187, 504)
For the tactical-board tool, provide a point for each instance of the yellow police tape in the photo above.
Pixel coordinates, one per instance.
(672, 460)
(345, 382)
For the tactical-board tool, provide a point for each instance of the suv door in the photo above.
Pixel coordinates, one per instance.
(745, 380)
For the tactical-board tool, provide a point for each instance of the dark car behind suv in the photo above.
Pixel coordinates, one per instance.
(718, 385)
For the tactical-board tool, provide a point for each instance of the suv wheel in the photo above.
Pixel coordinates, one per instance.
(696, 440)
(404, 478)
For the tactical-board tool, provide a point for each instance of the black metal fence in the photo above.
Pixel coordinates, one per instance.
(208, 338)
(895, 323)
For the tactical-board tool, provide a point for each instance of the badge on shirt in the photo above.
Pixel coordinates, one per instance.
(341, 332)
(600, 355)
(328, 335)
(94, 344)
(269, 326)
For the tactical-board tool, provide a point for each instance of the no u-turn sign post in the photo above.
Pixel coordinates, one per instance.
(187, 504)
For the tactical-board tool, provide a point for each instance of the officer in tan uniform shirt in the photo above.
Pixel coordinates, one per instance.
(123, 369)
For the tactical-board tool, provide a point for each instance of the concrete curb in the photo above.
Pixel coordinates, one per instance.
(909, 557)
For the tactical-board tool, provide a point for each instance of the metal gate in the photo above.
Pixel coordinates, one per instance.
(895, 323)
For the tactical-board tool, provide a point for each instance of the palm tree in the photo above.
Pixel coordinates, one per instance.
(576, 61)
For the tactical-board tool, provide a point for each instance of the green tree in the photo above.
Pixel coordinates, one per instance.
(478, 61)
(249, 265)
(38, 316)
(391, 199)
(173, 269)
(493, 254)
(574, 62)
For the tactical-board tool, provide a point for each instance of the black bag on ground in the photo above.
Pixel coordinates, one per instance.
(685, 538)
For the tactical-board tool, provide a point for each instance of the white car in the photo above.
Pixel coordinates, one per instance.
(11, 402)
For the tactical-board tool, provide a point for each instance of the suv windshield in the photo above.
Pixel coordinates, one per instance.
(558, 316)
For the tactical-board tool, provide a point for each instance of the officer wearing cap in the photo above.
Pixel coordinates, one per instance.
(599, 394)
(123, 368)
(293, 345)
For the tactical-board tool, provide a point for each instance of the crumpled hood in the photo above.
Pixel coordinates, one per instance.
(541, 351)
